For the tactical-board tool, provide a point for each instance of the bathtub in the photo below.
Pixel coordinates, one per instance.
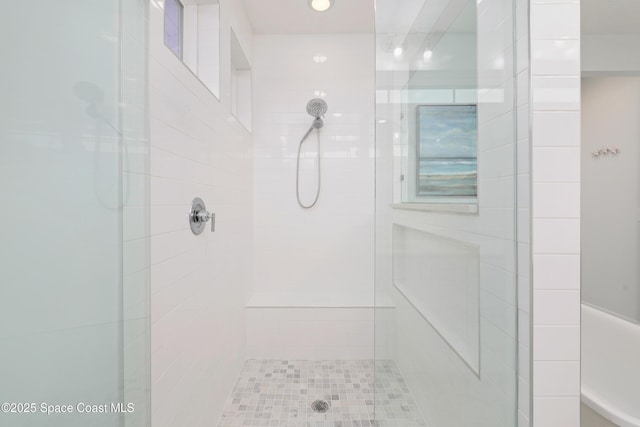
(611, 366)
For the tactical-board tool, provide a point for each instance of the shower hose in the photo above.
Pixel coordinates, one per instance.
(315, 200)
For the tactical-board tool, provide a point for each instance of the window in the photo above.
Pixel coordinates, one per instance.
(192, 32)
(446, 167)
(173, 17)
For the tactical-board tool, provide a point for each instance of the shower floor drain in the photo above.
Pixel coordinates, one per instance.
(320, 406)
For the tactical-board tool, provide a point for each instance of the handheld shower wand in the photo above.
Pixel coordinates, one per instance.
(316, 108)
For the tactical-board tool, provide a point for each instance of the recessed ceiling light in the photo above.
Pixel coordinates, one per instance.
(427, 54)
(321, 5)
(397, 52)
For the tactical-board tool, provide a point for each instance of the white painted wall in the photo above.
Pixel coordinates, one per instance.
(200, 284)
(555, 211)
(327, 249)
(610, 196)
(610, 53)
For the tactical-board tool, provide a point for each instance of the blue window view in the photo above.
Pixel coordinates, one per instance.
(173, 11)
(447, 152)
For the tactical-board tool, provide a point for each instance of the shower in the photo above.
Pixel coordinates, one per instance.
(316, 108)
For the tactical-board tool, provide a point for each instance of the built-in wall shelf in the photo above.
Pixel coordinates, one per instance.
(317, 300)
(440, 278)
(459, 208)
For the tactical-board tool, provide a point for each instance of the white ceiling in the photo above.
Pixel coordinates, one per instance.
(610, 16)
(297, 17)
(357, 16)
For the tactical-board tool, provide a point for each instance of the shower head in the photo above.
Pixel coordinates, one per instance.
(317, 107)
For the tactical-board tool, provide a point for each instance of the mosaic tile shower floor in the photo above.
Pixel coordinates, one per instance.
(280, 393)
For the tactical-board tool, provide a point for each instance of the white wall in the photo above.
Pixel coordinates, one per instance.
(199, 283)
(305, 332)
(329, 248)
(610, 53)
(610, 109)
(555, 210)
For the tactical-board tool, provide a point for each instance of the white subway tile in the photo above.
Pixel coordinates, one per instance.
(560, 164)
(555, 57)
(556, 271)
(557, 200)
(559, 236)
(556, 378)
(557, 308)
(555, 21)
(555, 93)
(556, 129)
(556, 411)
(555, 343)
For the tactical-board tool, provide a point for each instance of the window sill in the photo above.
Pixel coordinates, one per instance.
(458, 208)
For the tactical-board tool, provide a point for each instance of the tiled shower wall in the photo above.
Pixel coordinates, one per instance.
(199, 284)
(327, 249)
(319, 260)
(555, 175)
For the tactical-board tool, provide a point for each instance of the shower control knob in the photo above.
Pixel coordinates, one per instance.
(198, 217)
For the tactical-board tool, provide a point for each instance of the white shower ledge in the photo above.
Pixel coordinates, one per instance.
(459, 208)
(317, 300)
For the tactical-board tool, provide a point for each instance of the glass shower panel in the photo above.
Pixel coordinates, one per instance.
(446, 298)
(73, 224)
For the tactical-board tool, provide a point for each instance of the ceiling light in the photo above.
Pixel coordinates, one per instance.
(321, 5)
(427, 54)
(397, 52)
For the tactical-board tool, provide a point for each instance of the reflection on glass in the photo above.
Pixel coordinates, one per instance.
(447, 150)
